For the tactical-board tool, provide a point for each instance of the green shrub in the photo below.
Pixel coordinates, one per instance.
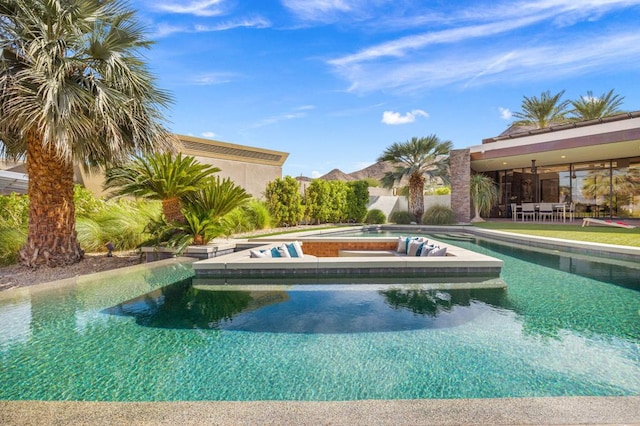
(14, 217)
(14, 211)
(11, 239)
(372, 182)
(375, 216)
(120, 222)
(357, 200)
(402, 218)
(86, 203)
(257, 214)
(439, 215)
(284, 201)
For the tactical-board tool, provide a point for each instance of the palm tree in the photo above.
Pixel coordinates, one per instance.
(160, 176)
(416, 158)
(590, 107)
(73, 90)
(542, 112)
(484, 195)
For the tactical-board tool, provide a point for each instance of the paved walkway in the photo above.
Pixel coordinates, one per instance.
(511, 411)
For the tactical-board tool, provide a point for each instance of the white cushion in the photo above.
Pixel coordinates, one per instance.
(442, 251)
(283, 250)
(414, 246)
(259, 253)
(402, 245)
(426, 249)
(295, 249)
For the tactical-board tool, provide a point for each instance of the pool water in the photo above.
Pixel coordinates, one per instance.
(565, 326)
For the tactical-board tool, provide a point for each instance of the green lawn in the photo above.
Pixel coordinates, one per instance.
(593, 234)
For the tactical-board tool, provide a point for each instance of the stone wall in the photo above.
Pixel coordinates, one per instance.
(460, 170)
(332, 248)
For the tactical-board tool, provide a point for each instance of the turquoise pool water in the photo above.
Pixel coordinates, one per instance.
(564, 326)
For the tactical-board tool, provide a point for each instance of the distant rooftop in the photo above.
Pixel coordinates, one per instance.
(522, 131)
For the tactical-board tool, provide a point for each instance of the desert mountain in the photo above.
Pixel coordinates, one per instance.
(376, 171)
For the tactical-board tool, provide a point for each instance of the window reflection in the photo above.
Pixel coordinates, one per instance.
(597, 189)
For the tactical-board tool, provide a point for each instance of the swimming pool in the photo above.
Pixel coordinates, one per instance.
(557, 330)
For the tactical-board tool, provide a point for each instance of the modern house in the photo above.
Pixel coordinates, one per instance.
(593, 164)
(249, 167)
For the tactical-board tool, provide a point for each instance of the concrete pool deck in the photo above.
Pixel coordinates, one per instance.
(499, 411)
(353, 258)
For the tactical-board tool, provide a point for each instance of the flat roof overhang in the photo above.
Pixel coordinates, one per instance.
(599, 142)
(13, 182)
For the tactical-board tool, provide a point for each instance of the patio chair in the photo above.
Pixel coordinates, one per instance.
(546, 211)
(515, 212)
(570, 211)
(528, 210)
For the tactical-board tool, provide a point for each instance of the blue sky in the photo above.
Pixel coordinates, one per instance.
(334, 82)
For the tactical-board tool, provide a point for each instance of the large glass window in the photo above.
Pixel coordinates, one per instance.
(597, 189)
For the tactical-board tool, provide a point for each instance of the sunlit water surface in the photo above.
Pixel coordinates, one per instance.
(565, 325)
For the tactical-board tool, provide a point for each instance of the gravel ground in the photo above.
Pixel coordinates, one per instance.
(20, 276)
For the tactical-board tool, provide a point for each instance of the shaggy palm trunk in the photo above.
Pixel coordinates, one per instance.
(52, 238)
(416, 196)
(172, 209)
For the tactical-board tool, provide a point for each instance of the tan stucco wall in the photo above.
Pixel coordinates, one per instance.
(249, 167)
(252, 177)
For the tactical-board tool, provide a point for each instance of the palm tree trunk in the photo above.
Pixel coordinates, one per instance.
(52, 238)
(172, 209)
(416, 196)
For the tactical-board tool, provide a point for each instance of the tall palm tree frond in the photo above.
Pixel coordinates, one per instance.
(415, 159)
(74, 89)
(590, 107)
(542, 112)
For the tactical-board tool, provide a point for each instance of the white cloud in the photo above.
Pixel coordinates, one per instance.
(315, 174)
(298, 112)
(322, 10)
(505, 113)
(483, 66)
(485, 41)
(392, 118)
(255, 22)
(213, 78)
(164, 30)
(199, 8)
(208, 134)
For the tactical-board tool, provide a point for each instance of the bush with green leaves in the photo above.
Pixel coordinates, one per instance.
(357, 200)
(285, 203)
(14, 217)
(441, 190)
(326, 201)
(375, 216)
(121, 222)
(257, 214)
(439, 215)
(401, 218)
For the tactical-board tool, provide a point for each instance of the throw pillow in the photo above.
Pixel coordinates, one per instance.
(442, 251)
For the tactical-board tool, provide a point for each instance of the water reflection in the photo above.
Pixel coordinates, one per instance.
(306, 311)
(608, 271)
